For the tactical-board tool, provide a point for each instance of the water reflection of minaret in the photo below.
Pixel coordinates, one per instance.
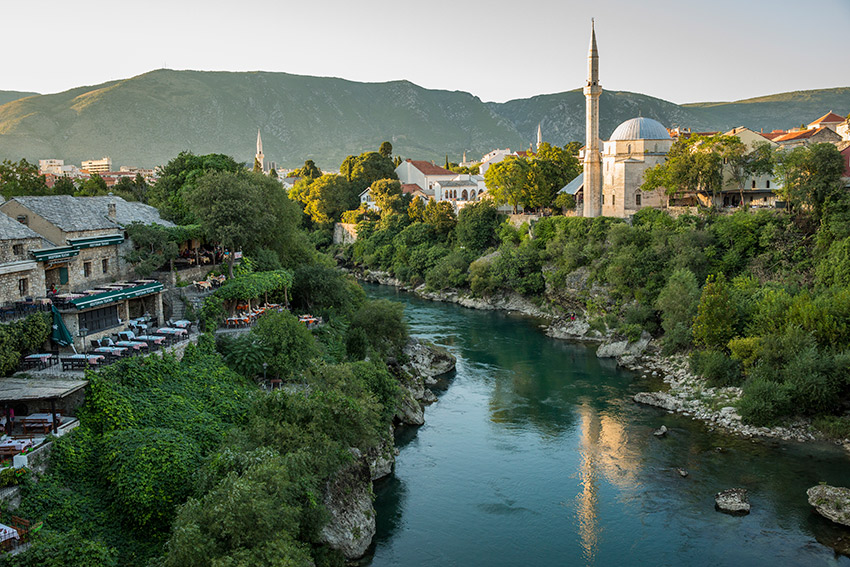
(587, 504)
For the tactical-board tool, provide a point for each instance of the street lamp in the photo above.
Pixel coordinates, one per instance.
(83, 333)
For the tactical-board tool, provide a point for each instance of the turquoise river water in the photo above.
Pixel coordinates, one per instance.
(535, 455)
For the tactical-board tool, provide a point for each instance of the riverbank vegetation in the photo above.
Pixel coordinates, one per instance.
(761, 299)
(196, 461)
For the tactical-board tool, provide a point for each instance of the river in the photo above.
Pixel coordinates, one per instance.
(536, 455)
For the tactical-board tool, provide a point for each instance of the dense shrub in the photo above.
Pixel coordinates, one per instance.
(383, 323)
(716, 367)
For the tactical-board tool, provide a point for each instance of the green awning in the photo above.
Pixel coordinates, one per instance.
(47, 254)
(96, 241)
(114, 296)
(60, 334)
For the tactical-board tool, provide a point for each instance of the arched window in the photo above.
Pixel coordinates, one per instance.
(754, 183)
(629, 150)
(768, 184)
(637, 199)
(464, 195)
(480, 191)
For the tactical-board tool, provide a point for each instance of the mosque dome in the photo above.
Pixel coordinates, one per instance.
(640, 129)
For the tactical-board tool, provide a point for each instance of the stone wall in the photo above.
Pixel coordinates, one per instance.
(345, 233)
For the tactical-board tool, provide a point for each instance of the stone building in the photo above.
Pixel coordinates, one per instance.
(77, 245)
(20, 274)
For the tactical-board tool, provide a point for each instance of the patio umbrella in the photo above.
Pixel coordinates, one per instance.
(60, 334)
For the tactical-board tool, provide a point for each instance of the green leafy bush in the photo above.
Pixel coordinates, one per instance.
(716, 367)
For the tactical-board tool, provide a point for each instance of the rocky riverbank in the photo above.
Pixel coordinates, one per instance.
(687, 394)
(348, 495)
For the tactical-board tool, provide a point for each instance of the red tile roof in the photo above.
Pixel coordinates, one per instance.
(524, 153)
(829, 117)
(801, 135)
(410, 188)
(429, 168)
(773, 135)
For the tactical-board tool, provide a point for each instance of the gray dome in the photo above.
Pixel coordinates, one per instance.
(640, 129)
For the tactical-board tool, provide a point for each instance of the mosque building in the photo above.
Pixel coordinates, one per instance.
(612, 177)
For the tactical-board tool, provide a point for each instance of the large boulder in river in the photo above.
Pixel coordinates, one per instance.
(831, 502)
(733, 501)
(657, 399)
(622, 348)
(427, 359)
(348, 499)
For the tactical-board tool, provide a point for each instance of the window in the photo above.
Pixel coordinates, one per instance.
(637, 199)
(603, 199)
(613, 200)
(105, 264)
(23, 286)
(754, 183)
(87, 269)
(768, 184)
(99, 319)
(18, 249)
(22, 219)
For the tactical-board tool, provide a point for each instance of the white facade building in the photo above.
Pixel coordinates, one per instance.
(422, 173)
(97, 165)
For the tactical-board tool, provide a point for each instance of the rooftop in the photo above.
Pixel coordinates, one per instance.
(429, 168)
(19, 389)
(640, 129)
(801, 135)
(10, 229)
(73, 214)
(830, 118)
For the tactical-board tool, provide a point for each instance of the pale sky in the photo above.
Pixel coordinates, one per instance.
(677, 50)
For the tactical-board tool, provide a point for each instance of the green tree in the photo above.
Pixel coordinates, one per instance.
(258, 166)
(386, 150)
(309, 171)
(440, 215)
(64, 186)
(716, 318)
(477, 226)
(507, 181)
(326, 198)
(179, 176)
(678, 302)
(387, 195)
(811, 178)
(21, 178)
(742, 165)
(416, 210)
(367, 168)
(273, 174)
(92, 187)
(383, 323)
(233, 210)
(289, 342)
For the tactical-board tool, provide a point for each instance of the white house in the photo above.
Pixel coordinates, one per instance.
(422, 173)
(461, 190)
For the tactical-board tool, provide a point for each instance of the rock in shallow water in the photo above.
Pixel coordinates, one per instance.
(661, 431)
(831, 502)
(682, 472)
(733, 501)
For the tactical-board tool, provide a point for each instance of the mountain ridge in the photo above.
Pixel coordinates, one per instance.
(147, 119)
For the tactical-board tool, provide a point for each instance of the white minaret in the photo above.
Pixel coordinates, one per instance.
(260, 157)
(592, 157)
(539, 135)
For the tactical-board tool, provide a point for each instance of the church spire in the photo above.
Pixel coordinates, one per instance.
(539, 135)
(592, 157)
(259, 159)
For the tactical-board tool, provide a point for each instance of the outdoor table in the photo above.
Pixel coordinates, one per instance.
(116, 350)
(8, 535)
(171, 331)
(157, 340)
(182, 324)
(16, 444)
(135, 345)
(94, 359)
(40, 421)
(42, 360)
